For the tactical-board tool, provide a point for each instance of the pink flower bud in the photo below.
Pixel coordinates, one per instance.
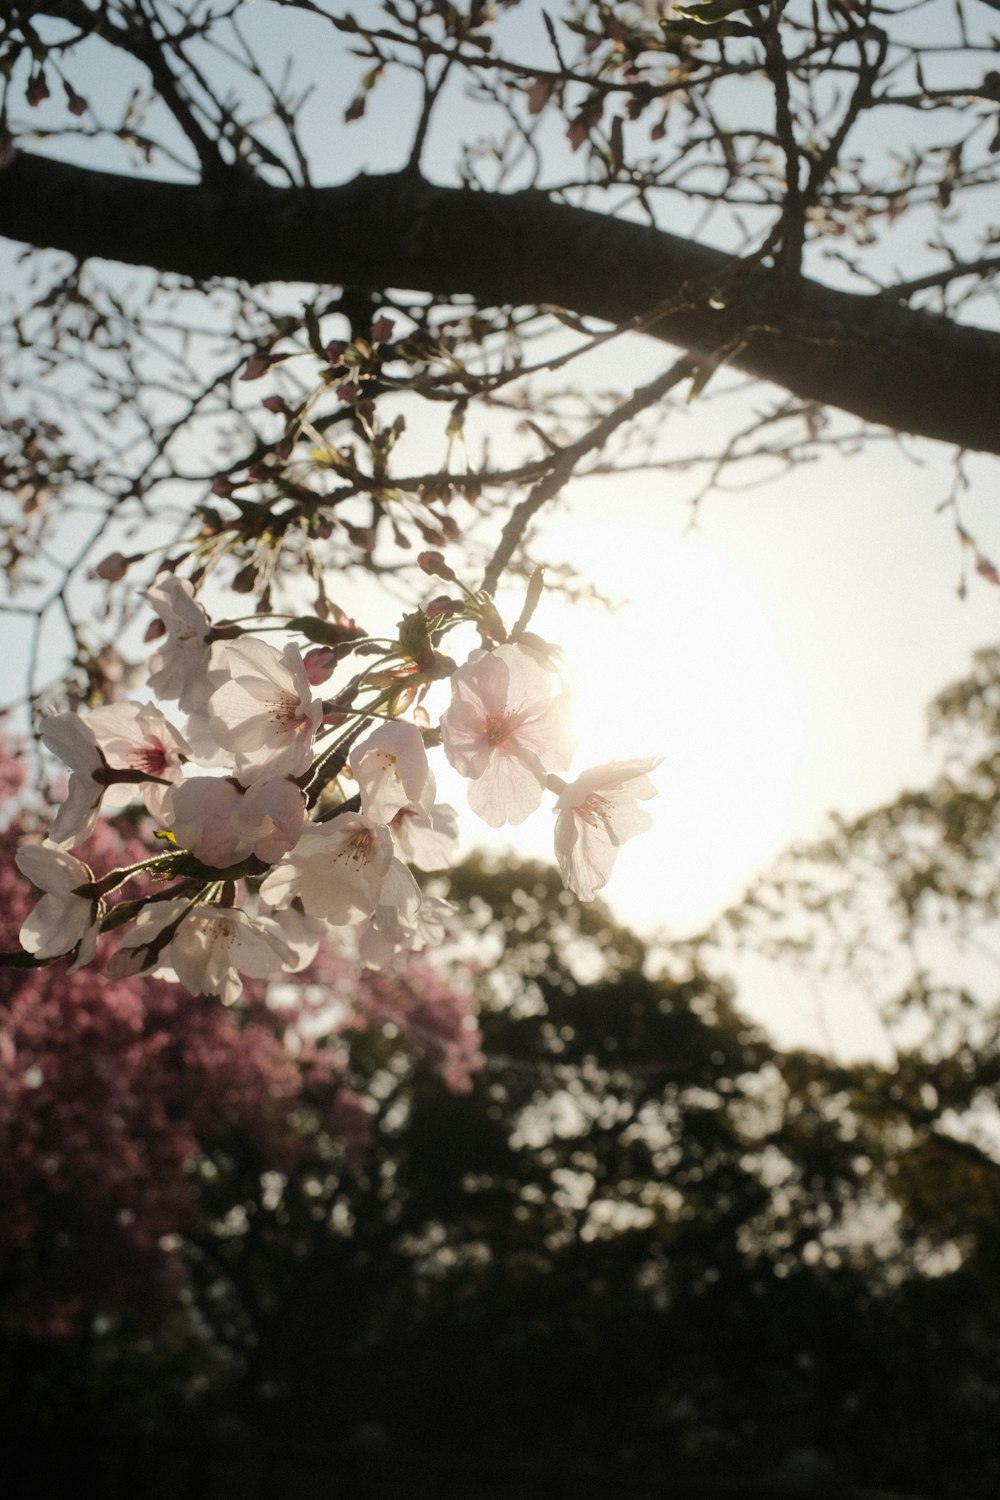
(319, 664)
(38, 88)
(112, 568)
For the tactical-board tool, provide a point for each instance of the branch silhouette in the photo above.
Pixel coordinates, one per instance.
(869, 354)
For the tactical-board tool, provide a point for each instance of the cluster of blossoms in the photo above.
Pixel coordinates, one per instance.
(116, 1092)
(300, 820)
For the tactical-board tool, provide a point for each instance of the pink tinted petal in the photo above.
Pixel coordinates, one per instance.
(271, 817)
(428, 839)
(203, 814)
(77, 817)
(508, 792)
(595, 815)
(72, 739)
(391, 770)
(585, 859)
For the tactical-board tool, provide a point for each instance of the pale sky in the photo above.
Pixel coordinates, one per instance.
(780, 658)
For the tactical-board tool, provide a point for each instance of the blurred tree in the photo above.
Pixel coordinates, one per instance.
(643, 1236)
(640, 1234)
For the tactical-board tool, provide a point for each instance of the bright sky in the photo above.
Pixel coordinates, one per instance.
(780, 658)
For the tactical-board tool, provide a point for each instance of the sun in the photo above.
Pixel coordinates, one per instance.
(690, 668)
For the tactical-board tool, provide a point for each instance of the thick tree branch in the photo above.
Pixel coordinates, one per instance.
(869, 355)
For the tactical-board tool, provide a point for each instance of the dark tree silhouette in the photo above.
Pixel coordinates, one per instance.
(644, 1238)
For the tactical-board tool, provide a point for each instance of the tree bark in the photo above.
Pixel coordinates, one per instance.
(867, 354)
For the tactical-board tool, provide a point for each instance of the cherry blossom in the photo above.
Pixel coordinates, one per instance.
(202, 814)
(67, 914)
(274, 813)
(432, 921)
(264, 712)
(397, 787)
(403, 921)
(505, 728)
(391, 770)
(113, 1086)
(427, 836)
(336, 869)
(137, 737)
(595, 815)
(73, 740)
(394, 922)
(222, 824)
(181, 668)
(208, 950)
(302, 934)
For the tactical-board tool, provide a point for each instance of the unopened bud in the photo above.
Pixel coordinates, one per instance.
(434, 564)
(112, 568)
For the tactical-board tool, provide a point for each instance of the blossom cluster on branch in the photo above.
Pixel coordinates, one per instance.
(122, 1097)
(283, 816)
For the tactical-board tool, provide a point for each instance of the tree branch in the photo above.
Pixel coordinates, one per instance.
(868, 354)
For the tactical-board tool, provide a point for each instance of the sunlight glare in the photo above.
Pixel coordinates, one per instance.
(690, 669)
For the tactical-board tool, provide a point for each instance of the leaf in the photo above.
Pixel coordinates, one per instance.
(414, 638)
(326, 632)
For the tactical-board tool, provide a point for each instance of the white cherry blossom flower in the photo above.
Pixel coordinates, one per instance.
(181, 668)
(336, 869)
(202, 815)
(209, 950)
(302, 933)
(221, 824)
(391, 770)
(72, 739)
(137, 737)
(427, 836)
(505, 729)
(393, 923)
(264, 713)
(595, 815)
(432, 921)
(200, 731)
(397, 787)
(63, 917)
(272, 815)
